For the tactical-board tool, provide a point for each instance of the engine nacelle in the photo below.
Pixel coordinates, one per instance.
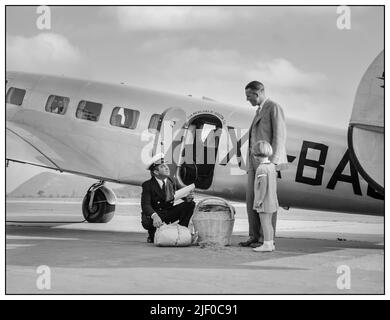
(366, 127)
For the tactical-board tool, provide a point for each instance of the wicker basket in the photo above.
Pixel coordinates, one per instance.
(213, 220)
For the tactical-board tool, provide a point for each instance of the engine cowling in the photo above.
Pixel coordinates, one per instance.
(366, 127)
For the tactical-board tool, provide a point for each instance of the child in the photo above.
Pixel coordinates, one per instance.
(266, 201)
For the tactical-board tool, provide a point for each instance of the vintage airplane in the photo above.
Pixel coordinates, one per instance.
(106, 132)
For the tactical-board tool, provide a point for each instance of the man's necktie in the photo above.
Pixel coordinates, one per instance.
(258, 111)
(164, 189)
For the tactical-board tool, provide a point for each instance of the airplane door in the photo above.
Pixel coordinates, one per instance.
(366, 127)
(169, 136)
(199, 149)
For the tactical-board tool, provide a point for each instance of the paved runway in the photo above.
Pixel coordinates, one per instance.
(317, 253)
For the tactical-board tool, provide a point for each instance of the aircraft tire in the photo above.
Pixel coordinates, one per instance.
(102, 211)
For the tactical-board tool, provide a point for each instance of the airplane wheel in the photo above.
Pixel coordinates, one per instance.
(102, 211)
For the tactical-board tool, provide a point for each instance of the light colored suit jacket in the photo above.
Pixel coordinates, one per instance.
(265, 189)
(270, 126)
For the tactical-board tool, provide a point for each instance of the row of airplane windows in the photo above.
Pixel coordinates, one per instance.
(87, 110)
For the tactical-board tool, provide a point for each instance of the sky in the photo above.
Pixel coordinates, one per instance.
(307, 64)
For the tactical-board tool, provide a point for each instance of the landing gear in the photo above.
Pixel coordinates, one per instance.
(99, 204)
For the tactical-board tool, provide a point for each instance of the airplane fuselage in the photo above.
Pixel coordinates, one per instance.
(320, 174)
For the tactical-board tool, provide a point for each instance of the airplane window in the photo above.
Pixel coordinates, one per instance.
(88, 110)
(15, 96)
(154, 122)
(57, 104)
(125, 118)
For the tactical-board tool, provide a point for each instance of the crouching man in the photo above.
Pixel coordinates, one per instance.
(158, 197)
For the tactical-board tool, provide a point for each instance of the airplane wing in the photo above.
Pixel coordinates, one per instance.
(19, 149)
(27, 145)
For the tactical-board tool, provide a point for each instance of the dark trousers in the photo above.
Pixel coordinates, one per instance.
(182, 212)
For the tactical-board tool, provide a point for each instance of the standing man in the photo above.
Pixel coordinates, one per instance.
(157, 199)
(269, 125)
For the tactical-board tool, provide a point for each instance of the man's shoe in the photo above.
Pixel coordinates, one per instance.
(255, 244)
(248, 242)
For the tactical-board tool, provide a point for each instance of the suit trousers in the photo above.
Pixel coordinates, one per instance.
(255, 230)
(182, 212)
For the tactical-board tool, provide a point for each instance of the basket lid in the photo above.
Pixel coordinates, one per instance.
(215, 205)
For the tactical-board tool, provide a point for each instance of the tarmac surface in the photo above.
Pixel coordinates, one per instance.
(316, 253)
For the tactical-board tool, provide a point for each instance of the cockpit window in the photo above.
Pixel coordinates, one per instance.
(15, 96)
(88, 110)
(57, 104)
(125, 118)
(154, 122)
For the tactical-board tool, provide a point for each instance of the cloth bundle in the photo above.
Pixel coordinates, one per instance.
(172, 235)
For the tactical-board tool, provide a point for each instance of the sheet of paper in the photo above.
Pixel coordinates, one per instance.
(183, 192)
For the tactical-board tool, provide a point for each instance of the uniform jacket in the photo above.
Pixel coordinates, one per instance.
(270, 126)
(153, 198)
